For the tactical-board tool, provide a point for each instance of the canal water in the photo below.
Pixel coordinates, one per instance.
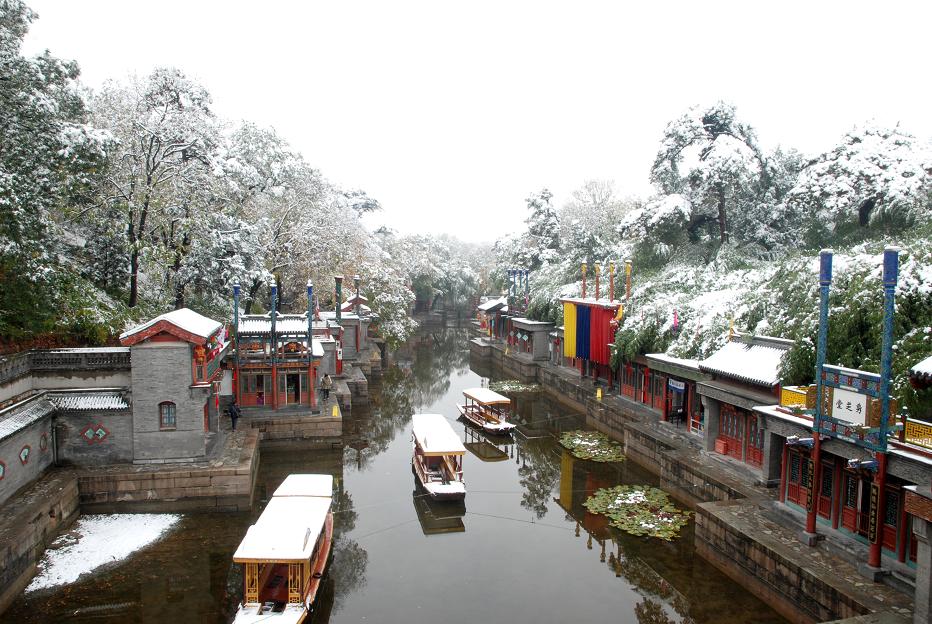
(522, 549)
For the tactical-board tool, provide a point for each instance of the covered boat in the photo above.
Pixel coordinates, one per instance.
(487, 410)
(438, 457)
(285, 552)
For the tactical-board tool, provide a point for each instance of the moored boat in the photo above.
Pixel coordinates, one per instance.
(438, 457)
(285, 553)
(487, 410)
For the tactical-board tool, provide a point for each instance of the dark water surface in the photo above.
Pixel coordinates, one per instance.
(520, 550)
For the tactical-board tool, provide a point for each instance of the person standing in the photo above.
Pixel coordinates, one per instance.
(234, 413)
(325, 385)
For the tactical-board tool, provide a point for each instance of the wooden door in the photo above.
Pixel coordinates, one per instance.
(826, 489)
(797, 476)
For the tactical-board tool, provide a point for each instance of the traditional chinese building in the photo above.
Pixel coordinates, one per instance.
(278, 356)
(176, 369)
(744, 373)
(670, 384)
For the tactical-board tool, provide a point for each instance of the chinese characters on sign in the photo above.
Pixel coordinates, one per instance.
(849, 406)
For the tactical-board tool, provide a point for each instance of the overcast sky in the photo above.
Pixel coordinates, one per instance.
(451, 114)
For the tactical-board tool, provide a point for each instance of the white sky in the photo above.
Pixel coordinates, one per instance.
(451, 114)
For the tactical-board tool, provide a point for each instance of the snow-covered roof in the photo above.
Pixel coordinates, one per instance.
(287, 530)
(89, 401)
(18, 417)
(669, 359)
(486, 396)
(492, 304)
(284, 324)
(753, 363)
(185, 319)
(923, 369)
(306, 485)
(435, 436)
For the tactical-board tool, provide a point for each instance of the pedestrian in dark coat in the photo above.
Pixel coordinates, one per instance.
(234, 413)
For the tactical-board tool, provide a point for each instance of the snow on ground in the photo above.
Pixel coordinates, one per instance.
(95, 541)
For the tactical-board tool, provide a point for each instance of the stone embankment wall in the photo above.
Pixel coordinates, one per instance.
(222, 485)
(759, 562)
(28, 525)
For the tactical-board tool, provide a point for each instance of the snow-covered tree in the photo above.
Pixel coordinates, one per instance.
(713, 159)
(157, 178)
(589, 221)
(874, 175)
(48, 155)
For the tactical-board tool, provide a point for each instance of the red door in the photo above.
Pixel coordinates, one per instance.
(731, 430)
(849, 501)
(797, 476)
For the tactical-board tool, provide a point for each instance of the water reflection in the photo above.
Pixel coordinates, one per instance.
(524, 512)
(437, 517)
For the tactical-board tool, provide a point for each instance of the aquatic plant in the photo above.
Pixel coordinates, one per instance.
(513, 386)
(639, 510)
(592, 445)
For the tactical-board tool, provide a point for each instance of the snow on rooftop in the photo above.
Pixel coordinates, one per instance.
(185, 318)
(747, 362)
(284, 324)
(96, 540)
(435, 436)
(663, 357)
(89, 401)
(20, 416)
(923, 368)
(492, 304)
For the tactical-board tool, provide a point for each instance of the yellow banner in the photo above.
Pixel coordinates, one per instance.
(569, 329)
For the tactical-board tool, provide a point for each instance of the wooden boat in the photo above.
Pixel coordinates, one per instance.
(487, 410)
(438, 457)
(285, 552)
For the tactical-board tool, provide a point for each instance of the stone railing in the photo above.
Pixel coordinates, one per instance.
(21, 364)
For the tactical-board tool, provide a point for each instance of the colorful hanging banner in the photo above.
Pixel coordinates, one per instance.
(569, 330)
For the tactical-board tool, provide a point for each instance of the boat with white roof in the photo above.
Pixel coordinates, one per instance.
(487, 410)
(438, 457)
(285, 553)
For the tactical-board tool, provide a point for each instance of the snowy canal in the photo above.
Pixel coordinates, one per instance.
(521, 549)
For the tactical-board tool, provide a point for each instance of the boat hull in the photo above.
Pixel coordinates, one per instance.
(494, 428)
(450, 491)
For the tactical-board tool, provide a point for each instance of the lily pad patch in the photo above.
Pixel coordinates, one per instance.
(639, 510)
(592, 445)
(513, 386)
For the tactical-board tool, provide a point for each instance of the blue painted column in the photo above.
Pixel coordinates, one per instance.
(310, 319)
(891, 269)
(825, 282)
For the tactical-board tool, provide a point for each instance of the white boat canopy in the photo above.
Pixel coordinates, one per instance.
(287, 530)
(306, 485)
(435, 436)
(486, 396)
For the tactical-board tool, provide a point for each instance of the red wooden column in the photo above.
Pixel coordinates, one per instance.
(646, 389)
(880, 481)
(783, 476)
